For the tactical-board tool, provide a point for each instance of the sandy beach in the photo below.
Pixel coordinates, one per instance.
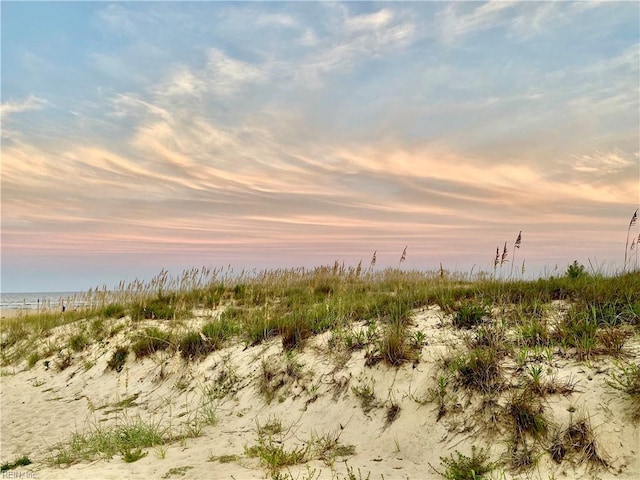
(16, 312)
(380, 420)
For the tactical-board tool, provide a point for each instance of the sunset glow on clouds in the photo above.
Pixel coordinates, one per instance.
(137, 136)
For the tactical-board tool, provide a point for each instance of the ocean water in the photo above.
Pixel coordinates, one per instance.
(40, 300)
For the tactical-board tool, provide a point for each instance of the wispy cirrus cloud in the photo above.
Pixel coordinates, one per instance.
(605, 162)
(32, 102)
(277, 19)
(306, 132)
(458, 20)
(371, 21)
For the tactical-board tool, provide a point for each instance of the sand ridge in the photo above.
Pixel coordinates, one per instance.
(318, 393)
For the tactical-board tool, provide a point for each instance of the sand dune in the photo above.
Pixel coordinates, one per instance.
(379, 419)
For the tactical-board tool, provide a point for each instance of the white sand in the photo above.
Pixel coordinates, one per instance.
(40, 407)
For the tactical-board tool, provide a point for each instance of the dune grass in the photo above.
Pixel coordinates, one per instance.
(296, 304)
(508, 331)
(125, 439)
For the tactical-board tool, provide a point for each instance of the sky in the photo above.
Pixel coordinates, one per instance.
(138, 136)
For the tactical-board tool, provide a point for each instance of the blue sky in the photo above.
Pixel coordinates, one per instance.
(143, 135)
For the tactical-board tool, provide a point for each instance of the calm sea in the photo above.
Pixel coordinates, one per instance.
(43, 300)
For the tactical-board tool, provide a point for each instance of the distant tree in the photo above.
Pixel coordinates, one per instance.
(575, 270)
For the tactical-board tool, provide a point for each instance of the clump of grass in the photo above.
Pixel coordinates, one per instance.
(130, 455)
(259, 325)
(522, 459)
(152, 340)
(162, 307)
(177, 471)
(462, 467)
(327, 447)
(491, 337)
(534, 332)
(224, 458)
(294, 329)
(439, 395)
(392, 413)
(218, 331)
(78, 342)
(33, 359)
(578, 439)
(63, 360)
(19, 462)
(226, 382)
(12, 333)
(526, 413)
(478, 369)
(273, 455)
(193, 345)
(626, 378)
(97, 329)
(612, 340)
(468, 316)
(104, 442)
(276, 376)
(113, 310)
(394, 346)
(118, 359)
(578, 330)
(356, 339)
(211, 337)
(366, 394)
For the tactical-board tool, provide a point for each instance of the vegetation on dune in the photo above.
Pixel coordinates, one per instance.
(508, 334)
